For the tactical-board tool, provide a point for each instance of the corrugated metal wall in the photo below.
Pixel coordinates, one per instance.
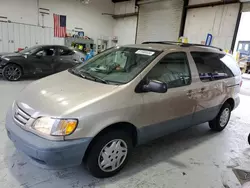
(18, 35)
(159, 20)
(220, 21)
(125, 28)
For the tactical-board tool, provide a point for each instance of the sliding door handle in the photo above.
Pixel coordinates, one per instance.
(189, 93)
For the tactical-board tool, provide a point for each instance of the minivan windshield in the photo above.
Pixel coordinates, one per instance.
(118, 65)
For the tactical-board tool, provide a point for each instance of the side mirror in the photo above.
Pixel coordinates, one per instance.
(155, 86)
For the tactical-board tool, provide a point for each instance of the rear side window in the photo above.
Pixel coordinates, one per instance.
(65, 51)
(213, 66)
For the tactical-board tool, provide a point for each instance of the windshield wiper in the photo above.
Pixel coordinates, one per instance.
(87, 75)
(84, 74)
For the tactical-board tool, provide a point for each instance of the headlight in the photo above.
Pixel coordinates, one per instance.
(55, 127)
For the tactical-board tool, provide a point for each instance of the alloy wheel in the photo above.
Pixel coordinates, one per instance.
(224, 117)
(112, 155)
(12, 73)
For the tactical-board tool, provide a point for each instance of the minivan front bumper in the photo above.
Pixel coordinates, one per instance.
(46, 152)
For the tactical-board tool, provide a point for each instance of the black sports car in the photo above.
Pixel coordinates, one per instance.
(38, 60)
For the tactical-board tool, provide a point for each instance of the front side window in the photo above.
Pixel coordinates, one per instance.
(46, 52)
(118, 65)
(173, 69)
(211, 66)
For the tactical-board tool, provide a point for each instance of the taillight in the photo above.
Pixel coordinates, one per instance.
(241, 82)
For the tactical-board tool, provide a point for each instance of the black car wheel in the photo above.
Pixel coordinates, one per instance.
(12, 72)
(109, 154)
(222, 119)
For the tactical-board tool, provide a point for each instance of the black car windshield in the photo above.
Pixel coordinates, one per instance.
(28, 51)
(118, 65)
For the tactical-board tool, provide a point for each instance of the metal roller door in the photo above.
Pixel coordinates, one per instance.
(220, 21)
(159, 20)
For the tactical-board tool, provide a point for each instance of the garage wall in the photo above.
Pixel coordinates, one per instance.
(89, 17)
(159, 20)
(17, 35)
(220, 21)
(24, 11)
(125, 28)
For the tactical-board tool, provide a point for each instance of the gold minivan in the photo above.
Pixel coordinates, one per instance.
(99, 111)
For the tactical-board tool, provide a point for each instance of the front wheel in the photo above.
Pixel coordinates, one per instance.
(109, 154)
(12, 72)
(222, 119)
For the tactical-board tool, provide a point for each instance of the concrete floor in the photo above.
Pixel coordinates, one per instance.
(194, 158)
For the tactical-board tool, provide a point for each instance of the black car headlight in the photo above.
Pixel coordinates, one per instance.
(4, 61)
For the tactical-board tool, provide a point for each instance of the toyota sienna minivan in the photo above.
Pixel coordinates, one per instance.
(97, 112)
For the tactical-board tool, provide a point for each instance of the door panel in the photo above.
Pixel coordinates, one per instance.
(167, 113)
(212, 88)
(64, 59)
(164, 113)
(209, 100)
(42, 65)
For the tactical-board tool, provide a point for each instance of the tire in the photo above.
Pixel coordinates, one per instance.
(220, 123)
(12, 72)
(249, 139)
(96, 155)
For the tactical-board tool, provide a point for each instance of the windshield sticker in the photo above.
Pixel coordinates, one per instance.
(145, 52)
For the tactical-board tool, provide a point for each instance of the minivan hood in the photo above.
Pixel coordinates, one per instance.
(60, 94)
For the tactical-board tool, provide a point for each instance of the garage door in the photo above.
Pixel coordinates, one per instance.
(220, 21)
(246, 7)
(159, 20)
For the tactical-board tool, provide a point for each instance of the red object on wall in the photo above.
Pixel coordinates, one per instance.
(60, 26)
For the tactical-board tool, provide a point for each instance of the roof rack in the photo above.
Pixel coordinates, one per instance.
(181, 44)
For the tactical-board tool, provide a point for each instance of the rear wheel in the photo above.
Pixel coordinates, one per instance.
(12, 72)
(249, 139)
(222, 119)
(109, 154)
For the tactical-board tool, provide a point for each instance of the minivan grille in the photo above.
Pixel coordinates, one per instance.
(21, 117)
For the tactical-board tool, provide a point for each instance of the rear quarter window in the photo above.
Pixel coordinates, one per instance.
(215, 66)
(231, 63)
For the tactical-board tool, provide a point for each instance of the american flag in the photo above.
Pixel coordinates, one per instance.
(59, 25)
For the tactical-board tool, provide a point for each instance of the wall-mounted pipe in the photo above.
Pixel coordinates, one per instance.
(237, 27)
(38, 12)
(183, 18)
